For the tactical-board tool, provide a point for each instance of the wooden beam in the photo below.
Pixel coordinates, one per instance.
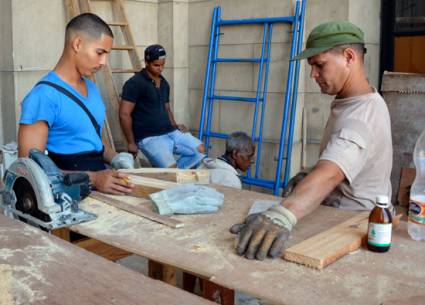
(200, 176)
(144, 186)
(137, 210)
(97, 247)
(330, 245)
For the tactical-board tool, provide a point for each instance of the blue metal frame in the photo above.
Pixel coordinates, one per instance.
(291, 93)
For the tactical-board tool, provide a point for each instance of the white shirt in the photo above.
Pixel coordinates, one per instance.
(221, 172)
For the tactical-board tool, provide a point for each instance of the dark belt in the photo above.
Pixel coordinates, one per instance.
(86, 161)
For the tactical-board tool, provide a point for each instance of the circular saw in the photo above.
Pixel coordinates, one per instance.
(36, 191)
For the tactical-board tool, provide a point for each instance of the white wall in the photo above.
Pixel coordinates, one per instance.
(32, 32)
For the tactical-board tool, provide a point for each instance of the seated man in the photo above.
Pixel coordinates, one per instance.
(239, 153)
(64, 113)
(147, 120)
(240, 150)
(356, 149)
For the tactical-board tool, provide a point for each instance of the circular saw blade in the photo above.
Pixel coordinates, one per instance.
(26, 200)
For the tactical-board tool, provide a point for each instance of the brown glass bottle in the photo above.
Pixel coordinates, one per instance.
(380, 226)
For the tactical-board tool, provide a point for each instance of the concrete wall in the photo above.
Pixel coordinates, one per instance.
(240, 79)
(364, 13)
(7, 93)
(31, 38)
(31, 41)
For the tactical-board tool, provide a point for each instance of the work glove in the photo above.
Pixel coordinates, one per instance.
(123, 160)
(187, 199)
(264, 233)
(293, 182)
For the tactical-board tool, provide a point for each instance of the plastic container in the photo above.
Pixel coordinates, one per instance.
(380, 226)
(416, 219)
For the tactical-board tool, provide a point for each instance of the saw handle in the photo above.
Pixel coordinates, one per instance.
(75, 178)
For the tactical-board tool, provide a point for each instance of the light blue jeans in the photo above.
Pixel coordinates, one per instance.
(160, 150)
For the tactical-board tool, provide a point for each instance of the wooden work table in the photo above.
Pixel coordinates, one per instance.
(37, 268)
(206, 248)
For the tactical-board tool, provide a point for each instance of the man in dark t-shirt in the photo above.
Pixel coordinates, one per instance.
(148, 122)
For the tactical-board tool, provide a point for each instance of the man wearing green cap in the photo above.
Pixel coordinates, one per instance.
(355, 152)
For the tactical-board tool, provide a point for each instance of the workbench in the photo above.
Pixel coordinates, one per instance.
(37, 268)
(204, 247)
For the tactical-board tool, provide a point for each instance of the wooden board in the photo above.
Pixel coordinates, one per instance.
(407, 176)
(144, 186)
(172, 174)
(206, 248)
(330, 245)
(139, 210)
(37, 268)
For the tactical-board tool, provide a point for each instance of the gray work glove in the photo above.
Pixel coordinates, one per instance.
(292, 183)
(187, 199)
(123, 160)
(264, 233)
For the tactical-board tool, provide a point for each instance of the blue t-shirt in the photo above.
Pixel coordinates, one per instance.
(70, 129)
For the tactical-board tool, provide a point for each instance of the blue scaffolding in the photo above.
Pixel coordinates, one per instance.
(290, 99)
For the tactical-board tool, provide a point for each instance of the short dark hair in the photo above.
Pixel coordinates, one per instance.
(89, 24)
(359, 48)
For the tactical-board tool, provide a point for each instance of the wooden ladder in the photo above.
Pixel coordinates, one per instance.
(105, 81)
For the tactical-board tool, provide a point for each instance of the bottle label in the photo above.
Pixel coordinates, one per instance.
(417, 212)
(379, 234)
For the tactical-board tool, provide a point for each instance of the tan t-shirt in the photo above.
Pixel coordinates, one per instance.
(357, 138)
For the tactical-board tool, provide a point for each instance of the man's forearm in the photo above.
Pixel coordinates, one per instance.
(171, 117)
(127, 127)
(108, 153)
(314, 188)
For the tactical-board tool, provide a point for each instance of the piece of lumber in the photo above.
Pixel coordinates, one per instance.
(330, 245)
(200, 176)
(38, 268)
(137, 210)
(106, 251)
(407, 176)
(144, 186)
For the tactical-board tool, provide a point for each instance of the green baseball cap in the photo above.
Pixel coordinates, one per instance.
(327, 35)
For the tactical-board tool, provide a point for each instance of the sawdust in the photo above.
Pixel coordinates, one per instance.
(6, 285)
(29, 264)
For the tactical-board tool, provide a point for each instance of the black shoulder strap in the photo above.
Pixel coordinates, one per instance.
(76, 100)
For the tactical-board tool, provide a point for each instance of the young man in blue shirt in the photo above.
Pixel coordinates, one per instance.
(148, 122)
(52, 120)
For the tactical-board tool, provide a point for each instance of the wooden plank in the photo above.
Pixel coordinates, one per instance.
(38, 268)
(205, 247)
(137, 210)
(119, 10)
(200, 176)
(106, 251)
(144, 186)
(163, 272)
(120, 70)
(72, 8)
(330, 245)
(407, 176)
(123, 48)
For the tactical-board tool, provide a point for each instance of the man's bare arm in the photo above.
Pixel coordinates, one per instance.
(314, 188)
(35, 136)
(181, 127)
(108, 153)
(32, 136)
(126, 121)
